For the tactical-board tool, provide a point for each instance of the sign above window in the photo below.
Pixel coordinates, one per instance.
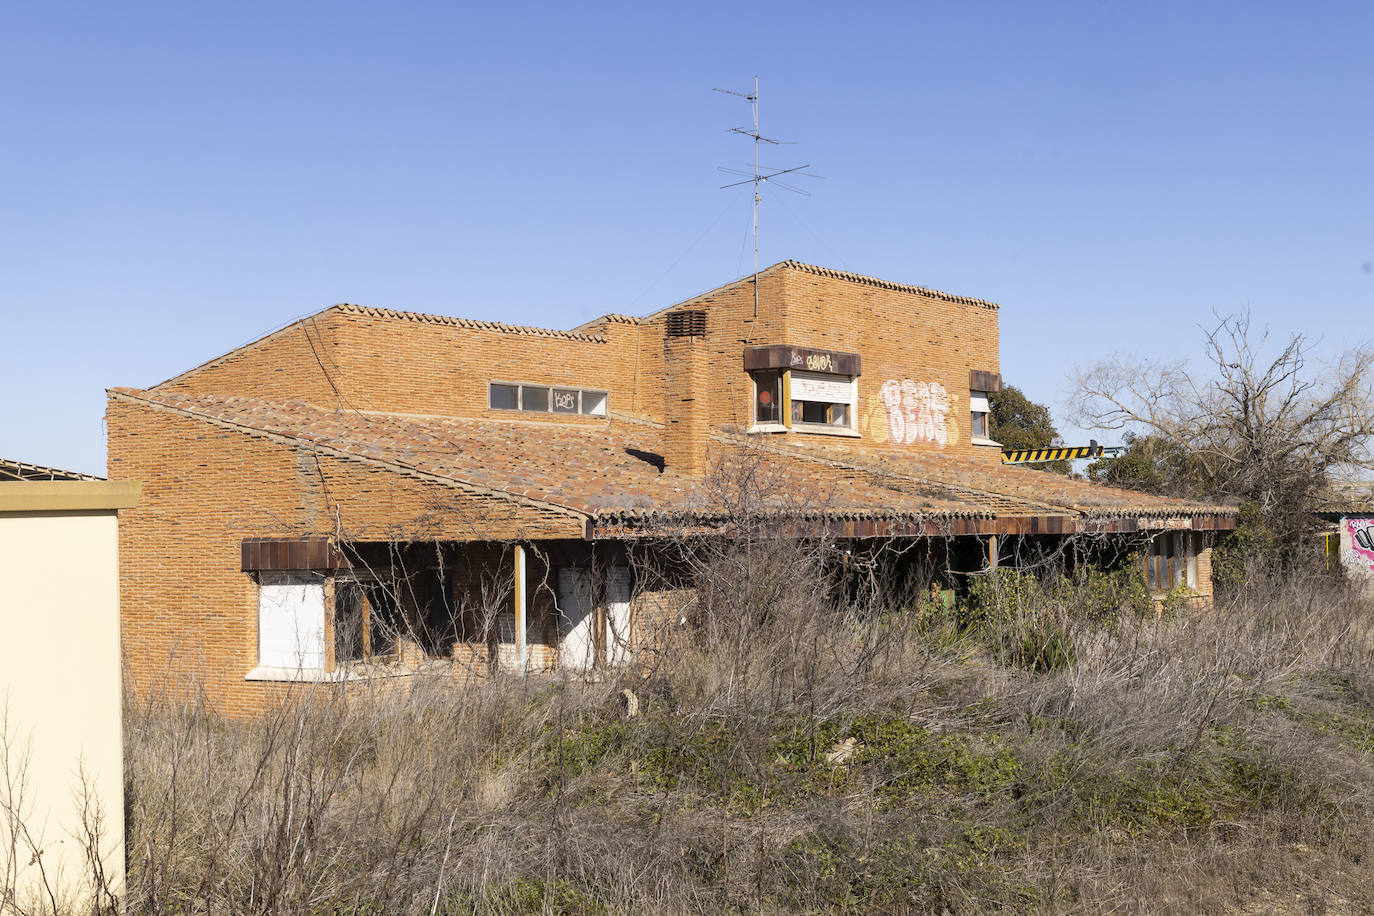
(830, 362)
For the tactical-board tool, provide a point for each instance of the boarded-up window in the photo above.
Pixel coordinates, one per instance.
(291, 621)
(1172, 561)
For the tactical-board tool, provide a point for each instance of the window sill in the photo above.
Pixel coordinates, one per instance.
(826, 430)
(985, 441)
(766, 428)
(293, 675)
(353, 672)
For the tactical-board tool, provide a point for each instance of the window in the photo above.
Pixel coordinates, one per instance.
(544, 399)
(768, 396)
(505, 397)
(978, 416)
(565, 400)
(366, 620)
(1171, 561)
(819, 399)
(291, 621)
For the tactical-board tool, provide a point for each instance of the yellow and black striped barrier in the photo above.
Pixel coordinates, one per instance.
(1061, 453)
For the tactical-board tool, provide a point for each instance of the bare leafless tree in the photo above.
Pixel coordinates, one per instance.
(1269, 430)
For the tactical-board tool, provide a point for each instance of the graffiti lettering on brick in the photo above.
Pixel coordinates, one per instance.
(1361, 531)
(916, 411)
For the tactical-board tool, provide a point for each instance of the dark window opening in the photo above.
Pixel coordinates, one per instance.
(366, 621)
(1171, 561)
(820, 413)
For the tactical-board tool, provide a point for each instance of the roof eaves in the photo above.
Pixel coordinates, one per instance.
(25, 471)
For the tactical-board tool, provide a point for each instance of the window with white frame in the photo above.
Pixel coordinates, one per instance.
(822, 400)
(979, 411)
(291, 621)
(1171, 561)
(560, 399)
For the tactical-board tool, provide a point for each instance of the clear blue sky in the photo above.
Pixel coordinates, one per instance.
(178, 178)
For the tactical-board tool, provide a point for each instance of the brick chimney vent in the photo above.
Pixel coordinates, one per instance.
(687, 323)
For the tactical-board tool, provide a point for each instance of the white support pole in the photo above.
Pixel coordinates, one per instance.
(521, 603)
(993, 558)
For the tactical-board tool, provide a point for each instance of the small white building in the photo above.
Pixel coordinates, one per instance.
(60, 683)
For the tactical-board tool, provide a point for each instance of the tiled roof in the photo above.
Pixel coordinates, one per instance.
(1025, 486)
(610, 470)
(1348, 502)
(22, 470)
(601, 321)
(423, 318)
(603, 469)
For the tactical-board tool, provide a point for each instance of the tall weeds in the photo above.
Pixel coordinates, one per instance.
(816, 742)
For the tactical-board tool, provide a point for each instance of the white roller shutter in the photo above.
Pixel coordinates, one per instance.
(291, 621)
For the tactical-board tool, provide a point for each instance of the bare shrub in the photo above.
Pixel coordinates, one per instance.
(821, 740)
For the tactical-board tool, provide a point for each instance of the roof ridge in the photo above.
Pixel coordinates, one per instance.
(476, 324)
(608, 318)
(885, 284)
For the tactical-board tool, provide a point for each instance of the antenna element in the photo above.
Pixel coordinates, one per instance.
(758, 177)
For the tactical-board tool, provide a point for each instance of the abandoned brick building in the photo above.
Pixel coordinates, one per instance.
(504, 467)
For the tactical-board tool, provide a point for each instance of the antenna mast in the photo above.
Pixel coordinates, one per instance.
(757, 177)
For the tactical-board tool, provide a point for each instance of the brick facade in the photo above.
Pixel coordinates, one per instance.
(219, 464)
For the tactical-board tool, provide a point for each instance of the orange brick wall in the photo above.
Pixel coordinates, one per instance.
(187, 610)
(394, 362)
(898, 334)
(186, 605)
(406, 364)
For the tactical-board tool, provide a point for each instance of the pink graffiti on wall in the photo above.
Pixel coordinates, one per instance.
(916, 411)
(1361, 531)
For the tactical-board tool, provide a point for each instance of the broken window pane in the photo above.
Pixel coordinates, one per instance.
(594, 403)
(348, 622)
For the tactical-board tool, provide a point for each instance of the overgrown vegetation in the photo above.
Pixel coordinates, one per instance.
(1048, 745)
(1272, 434)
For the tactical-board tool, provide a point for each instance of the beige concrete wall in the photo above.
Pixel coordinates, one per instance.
(60, 677)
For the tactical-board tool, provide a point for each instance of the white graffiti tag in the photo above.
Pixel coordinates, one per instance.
(916, 411)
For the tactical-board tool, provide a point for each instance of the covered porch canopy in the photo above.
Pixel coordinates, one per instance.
(524, 494)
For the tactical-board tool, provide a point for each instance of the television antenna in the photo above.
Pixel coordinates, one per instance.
(760, 174)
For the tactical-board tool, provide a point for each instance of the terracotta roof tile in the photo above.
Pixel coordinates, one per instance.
(607, 469)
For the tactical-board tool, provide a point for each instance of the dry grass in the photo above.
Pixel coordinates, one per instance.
(799, 754)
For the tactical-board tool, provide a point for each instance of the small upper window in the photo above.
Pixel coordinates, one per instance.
(534, 398)
(565, 400)
(979, 409)
(594, 403)
(505, 397)
(543, 399)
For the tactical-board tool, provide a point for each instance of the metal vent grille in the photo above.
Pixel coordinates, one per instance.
(687, 323)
